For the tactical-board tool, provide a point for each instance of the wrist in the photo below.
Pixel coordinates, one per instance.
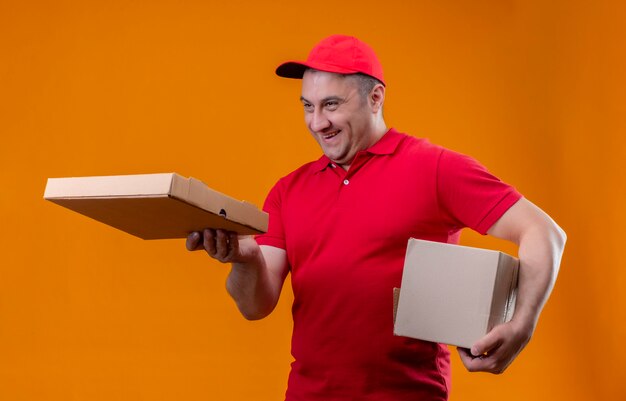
(249, 252)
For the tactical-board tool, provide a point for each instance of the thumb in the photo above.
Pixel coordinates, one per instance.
(193, 239)
(486, 344)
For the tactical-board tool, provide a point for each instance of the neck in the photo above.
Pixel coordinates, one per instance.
(379, 130)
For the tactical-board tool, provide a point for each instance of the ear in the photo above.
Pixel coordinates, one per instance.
(377, 97)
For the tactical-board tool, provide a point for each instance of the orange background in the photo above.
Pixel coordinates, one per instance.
(535, 90)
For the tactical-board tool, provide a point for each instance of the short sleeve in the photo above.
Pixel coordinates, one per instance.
(469, 194)
(275, 235)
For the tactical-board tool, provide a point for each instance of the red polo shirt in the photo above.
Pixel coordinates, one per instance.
(345, 234)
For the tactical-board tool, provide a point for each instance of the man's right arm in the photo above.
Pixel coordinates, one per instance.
(257, 274)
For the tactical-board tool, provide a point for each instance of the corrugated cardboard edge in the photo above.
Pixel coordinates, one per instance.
(396, 291)
(101, 186)
(396, 298)
(506, 274)
(512, 298)
(179, 187)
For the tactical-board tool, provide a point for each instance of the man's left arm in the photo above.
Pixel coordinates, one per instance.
(541, 242)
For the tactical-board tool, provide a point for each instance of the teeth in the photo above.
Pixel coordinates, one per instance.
(330, 135)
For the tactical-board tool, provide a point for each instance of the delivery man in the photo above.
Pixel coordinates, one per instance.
(340, 226)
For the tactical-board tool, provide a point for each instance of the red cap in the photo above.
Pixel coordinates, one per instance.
(337, 53)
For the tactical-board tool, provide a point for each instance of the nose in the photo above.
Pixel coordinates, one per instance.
(318, 121)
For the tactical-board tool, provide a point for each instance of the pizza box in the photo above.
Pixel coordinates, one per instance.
(155, 206)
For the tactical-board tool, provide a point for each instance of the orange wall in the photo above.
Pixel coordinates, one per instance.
(535, 90)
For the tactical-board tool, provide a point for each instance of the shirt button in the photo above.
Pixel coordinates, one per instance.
(346, 182)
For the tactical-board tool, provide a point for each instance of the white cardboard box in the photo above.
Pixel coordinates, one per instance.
(155, 206)
(454, 294)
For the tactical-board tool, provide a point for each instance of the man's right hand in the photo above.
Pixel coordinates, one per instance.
(222, 245)
(257, 274)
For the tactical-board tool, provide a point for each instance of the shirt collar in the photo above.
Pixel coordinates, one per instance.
(386, 145)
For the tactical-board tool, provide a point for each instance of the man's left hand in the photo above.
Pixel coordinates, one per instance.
(495, 351)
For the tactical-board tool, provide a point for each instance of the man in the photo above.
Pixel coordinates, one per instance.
(340, 226)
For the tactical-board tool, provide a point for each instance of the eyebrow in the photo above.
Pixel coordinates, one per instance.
(324, 100)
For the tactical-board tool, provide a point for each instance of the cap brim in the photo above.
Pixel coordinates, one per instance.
(291, 69)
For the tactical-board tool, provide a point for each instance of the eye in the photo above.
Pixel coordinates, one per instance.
(331, 105)
(308, 107)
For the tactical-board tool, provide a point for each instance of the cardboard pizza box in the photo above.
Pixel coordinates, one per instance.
(155, 206)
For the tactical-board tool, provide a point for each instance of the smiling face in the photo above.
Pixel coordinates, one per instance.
(341, 119)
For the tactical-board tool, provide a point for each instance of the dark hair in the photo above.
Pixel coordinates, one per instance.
(365, 82)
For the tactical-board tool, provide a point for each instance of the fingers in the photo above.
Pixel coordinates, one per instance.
(466, 357)
(193, 241)
(221, 245)
(491, 363)
(487, 344)
(494, 352)
(471, 362)
(233, 242)
(217, 243)
(209, 245)
(484, 355)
